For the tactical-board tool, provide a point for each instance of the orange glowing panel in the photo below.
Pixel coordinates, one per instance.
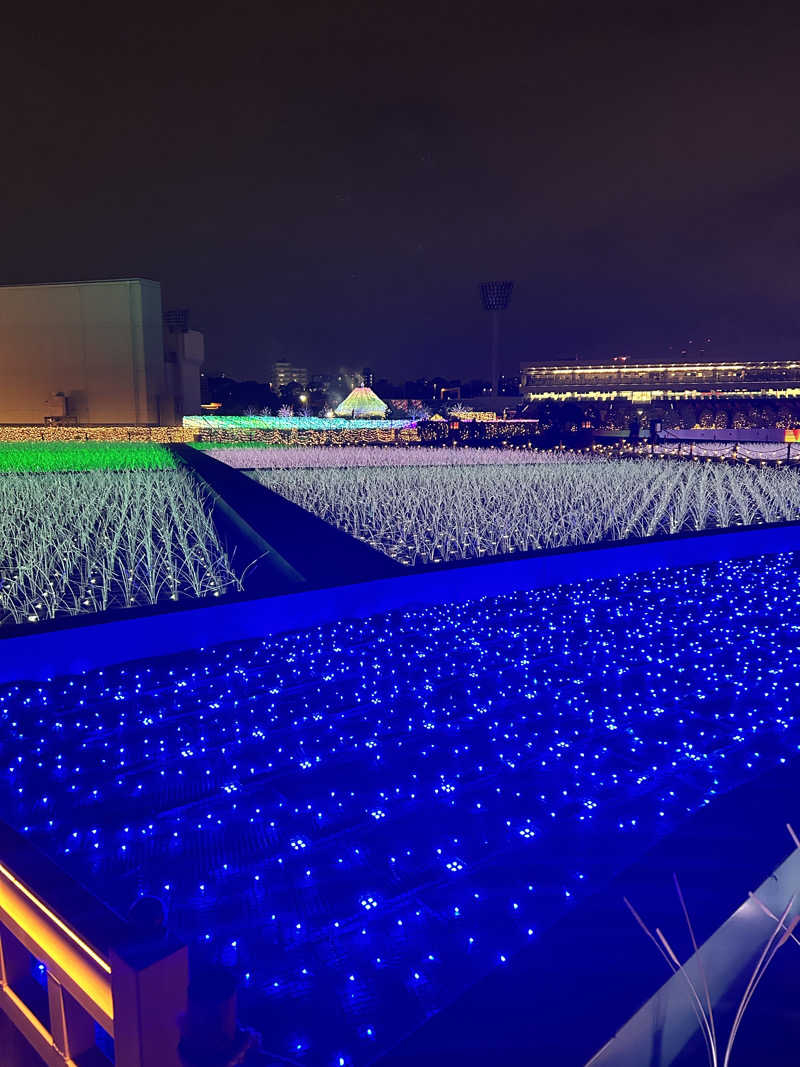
(74, 962)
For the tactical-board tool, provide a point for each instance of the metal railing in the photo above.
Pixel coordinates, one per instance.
(60, 980)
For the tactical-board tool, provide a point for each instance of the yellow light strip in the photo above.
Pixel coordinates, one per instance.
(708, 394)
(54, 918)
(644, 368)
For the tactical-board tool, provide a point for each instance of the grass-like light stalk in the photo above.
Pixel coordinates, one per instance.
(72, 543)
(462, 510)
(700, 1000)
(254, 457)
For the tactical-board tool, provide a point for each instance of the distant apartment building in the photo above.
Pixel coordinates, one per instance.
(283, 373)
(320, 382)
(94, 353)
(642, 380)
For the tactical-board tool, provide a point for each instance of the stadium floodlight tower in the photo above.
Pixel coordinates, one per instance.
(495, 297)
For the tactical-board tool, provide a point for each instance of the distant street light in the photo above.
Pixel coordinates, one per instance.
(495, 297)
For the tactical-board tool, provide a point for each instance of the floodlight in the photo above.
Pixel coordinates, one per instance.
(495, 297)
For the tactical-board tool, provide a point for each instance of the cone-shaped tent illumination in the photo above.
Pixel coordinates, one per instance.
(362, 403)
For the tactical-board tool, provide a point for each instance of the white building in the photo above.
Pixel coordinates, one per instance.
(184, 354)
(283, 373)
(93, 353)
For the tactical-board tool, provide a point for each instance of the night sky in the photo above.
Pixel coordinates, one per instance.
(328, 183)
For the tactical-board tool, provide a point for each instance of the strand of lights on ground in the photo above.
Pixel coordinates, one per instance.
(367, 817)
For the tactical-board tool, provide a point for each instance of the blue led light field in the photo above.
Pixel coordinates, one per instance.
(369, 816)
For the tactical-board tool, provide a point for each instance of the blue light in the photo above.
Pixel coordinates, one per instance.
(367, 812)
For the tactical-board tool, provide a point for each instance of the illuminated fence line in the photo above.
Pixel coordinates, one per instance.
(314, 438)
(229, 428)
(293, 431)
(726, 450)
(134, 995)
(156, 434)
(198, 423)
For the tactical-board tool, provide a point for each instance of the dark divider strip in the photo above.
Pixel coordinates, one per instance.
(265, 571)
(311, 549)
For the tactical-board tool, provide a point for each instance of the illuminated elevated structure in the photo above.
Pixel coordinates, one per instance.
(642, 381)
(362, 403)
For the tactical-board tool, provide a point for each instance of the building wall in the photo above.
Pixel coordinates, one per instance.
(185, 354)
(147, 317)
(99, 343)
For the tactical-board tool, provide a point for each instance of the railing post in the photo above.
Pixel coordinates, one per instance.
(71, 1027)
(149, 987)
(58, 1025)
(14, 959)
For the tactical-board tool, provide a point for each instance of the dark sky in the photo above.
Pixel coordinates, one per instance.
(328, 182)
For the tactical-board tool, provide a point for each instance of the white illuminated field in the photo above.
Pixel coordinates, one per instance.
(72, 543)
(419, 514)
(254, 457)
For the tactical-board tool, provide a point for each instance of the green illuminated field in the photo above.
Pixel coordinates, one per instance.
(37, 456)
